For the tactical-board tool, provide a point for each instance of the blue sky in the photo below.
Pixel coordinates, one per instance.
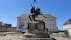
(10, 9)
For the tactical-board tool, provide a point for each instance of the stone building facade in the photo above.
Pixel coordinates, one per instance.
(50, 22)
(5, 27)
(67, 26)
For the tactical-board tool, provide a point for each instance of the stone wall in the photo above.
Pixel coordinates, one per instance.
(20, 36)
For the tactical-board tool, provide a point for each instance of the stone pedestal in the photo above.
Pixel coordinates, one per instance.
(36, 30)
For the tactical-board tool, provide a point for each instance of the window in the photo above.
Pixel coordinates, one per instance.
(21, 26)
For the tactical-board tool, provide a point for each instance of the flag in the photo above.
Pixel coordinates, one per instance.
(34, 0)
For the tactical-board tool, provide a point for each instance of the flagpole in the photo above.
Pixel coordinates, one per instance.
(33, 3)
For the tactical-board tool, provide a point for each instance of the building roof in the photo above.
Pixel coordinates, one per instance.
(49, 16)
(67, 22)
(24, 15)
(45, 15)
